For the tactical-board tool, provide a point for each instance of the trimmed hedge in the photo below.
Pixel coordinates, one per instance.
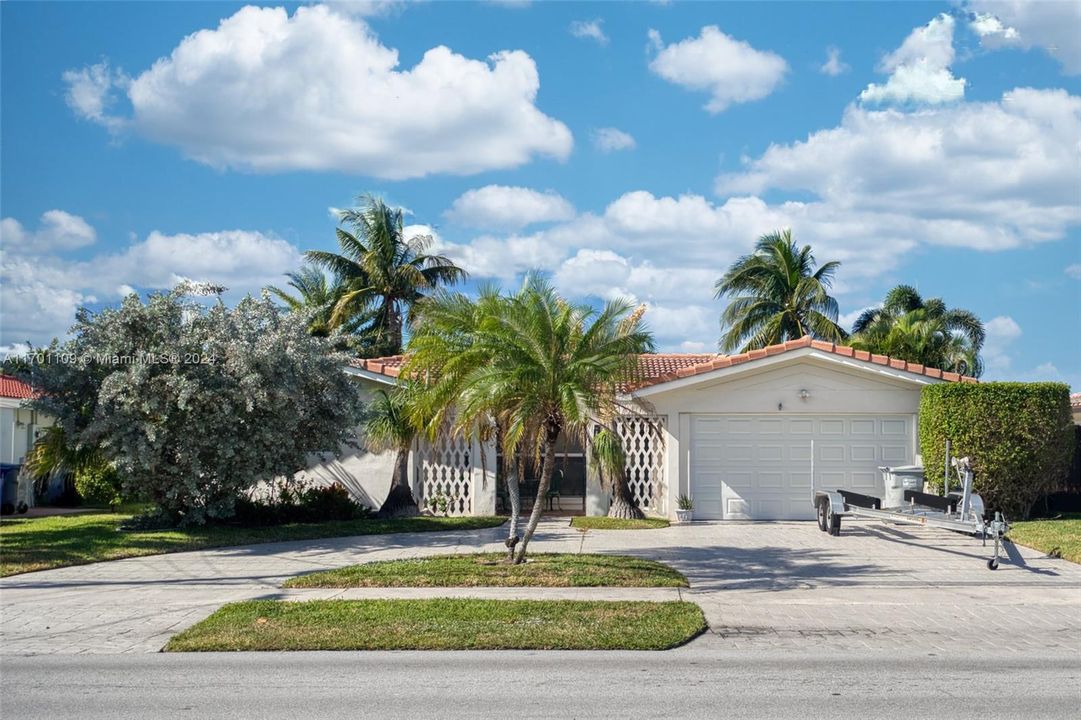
(1018, 435)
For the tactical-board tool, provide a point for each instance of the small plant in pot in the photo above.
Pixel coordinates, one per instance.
(684, 509)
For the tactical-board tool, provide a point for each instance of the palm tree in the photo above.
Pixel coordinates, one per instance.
(777, 295)
(382, 271)
(533, 363)
(910, 328)
(390, 427)
(607, 455)
(315, 294)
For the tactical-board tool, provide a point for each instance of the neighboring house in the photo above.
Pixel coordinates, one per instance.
(1075, 408)
(746, 436)
(19, 426)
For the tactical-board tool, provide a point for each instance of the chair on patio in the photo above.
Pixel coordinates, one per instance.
(553, 490)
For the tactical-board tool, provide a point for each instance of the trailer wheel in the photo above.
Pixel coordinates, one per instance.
(823, 514)
(992, 564)
(835, 524)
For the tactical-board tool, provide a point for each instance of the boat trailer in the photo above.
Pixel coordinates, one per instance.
(961, 512)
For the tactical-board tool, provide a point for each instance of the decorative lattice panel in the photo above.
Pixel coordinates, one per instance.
(445, 473)
(643, 444)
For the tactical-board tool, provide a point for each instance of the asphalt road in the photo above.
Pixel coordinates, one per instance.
(698, 681)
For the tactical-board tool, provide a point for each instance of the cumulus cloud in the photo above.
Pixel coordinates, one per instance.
(730, 70)
(986, 176)
(508, 208)
(833, 65)
(40, 288)
(57, 230)
(91, 93)
(266, 91)
(1048, 26)
(668, 251)
(920, 68)
(612, 139)
(589, 30)
(1002, 332)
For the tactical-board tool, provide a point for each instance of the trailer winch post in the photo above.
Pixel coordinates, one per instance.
(946, 476)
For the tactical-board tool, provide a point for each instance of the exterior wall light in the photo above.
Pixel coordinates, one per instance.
(804, 394)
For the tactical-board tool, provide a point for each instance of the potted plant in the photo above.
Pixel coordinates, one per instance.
(684, 509)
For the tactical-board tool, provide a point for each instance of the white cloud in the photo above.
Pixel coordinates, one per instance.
(91, 93)
(986, 176)
(1049, 26)
(508, 208)
(920, 71)
(833, 65)
(57, 231)
(1001, 333)
(611, 139)
(1074, 271)
(589, 30)
(40, 289)
(266, 91)
(730, 70)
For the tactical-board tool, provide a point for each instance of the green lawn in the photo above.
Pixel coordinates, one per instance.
(443, 624)
(488, 569)
(607, 523)
(52, 542)
(1060, 537)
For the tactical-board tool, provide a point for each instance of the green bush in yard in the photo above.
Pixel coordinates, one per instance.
(98, 484)
(1019, 437)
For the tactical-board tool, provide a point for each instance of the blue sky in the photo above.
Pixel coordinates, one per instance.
(627, 149)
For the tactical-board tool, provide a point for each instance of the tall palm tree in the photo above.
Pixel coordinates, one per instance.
(777, 295)
(382, 271)
(538, 365)
(390, 427)
(316, 294)
(910, 328)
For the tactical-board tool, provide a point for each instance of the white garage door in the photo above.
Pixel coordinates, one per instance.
(758, 467)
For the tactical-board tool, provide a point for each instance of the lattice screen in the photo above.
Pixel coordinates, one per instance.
(643, 444)
(446, 468)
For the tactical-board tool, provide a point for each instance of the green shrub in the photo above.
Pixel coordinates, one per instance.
(1019, 437)
(98, 485)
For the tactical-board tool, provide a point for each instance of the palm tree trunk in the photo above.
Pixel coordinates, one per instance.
(395, 328)
(542, 489)
(400, 501)
(623, 506)
(515, 496)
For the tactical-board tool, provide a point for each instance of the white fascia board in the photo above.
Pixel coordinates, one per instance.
(13, 403)
(369, 375)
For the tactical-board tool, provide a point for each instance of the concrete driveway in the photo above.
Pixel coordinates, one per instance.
(780, 586)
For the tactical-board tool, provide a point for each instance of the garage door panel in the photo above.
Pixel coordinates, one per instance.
(759, 467)
(895, 454)
(862, 453)
(770, 453)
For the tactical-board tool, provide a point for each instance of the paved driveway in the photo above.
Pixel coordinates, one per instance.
(772, 585)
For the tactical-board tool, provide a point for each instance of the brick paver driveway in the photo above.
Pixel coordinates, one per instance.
(783, 585)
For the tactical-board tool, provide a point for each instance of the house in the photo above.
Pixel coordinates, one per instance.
(19, 428)
(746, 436)
(1075, 408)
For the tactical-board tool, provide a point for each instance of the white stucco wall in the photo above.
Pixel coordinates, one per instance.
(365, 474)
(773, 386)
(16, 439)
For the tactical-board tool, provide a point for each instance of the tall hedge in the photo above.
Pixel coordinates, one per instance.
(1018, 435)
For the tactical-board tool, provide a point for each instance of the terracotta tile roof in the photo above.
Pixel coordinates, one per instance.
(1075, 400)
(12, 388)
(723, 361)
(390, 365)
(654, 369)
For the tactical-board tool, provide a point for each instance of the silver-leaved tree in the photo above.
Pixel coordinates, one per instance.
(195, 403)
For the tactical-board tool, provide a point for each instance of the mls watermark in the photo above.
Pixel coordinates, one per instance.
(120, 360)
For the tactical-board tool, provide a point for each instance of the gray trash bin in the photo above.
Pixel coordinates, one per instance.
(899, 479)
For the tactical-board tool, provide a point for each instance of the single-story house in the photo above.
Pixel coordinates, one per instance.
(745, 436)
(19, 428)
